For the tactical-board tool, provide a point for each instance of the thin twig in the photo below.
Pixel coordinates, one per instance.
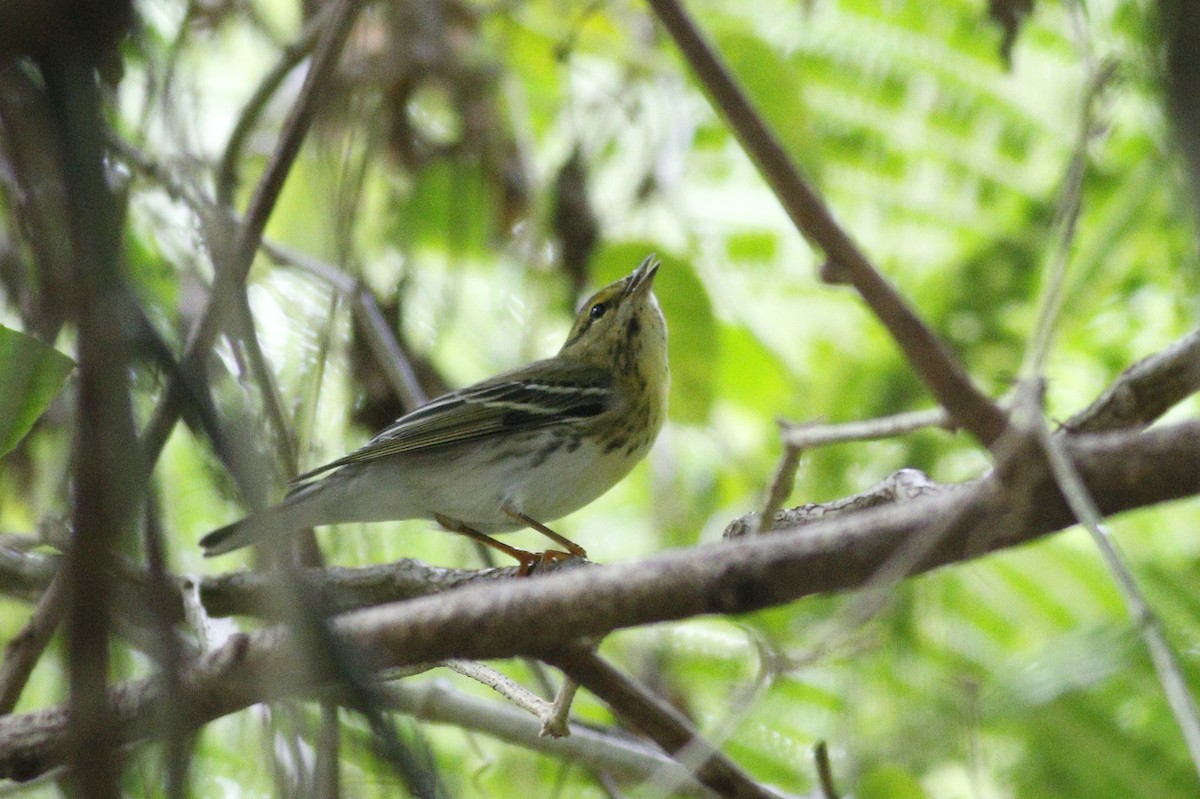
(510, 689)
(268, 388)
(927, 354)
(639, 707)
(25, 649)
(781, 486)
(604, 752)
(1166, 665)
(1066, 216)
(555, 724)
(799, 437)
(172, 715)
(289, 59)
(807, 436)
(825, 771)
(231, 275)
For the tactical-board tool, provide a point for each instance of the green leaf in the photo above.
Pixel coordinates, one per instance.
(692, 340)
(891, 781)
(448, 203)
(33, 374)
(753, 376)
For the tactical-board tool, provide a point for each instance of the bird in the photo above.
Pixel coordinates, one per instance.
(521, 449)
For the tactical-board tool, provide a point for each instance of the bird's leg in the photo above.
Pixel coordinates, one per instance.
(528, 560)
(571, 547)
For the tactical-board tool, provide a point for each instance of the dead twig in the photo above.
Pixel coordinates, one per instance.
(231, 275)
(25, 649)
(646, 712)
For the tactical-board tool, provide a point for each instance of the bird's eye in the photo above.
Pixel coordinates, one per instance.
(597, 310)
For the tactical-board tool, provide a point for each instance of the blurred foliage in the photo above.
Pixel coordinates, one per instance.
(431, 178)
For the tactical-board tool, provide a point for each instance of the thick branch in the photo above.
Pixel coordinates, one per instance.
(507, 618)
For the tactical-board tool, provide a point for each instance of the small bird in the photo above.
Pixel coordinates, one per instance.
(520, 449)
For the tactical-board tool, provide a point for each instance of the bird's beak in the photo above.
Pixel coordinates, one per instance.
(643, 277)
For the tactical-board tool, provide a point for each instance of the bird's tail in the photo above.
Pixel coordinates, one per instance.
(259, 527)
(228, 538)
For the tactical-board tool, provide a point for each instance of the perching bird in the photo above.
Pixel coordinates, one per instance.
(521, 449)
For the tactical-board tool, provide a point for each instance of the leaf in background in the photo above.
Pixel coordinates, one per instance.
(32, 374)
(692, 340)
(448, 205)
(777, 89)
(753, 376)
(892, 781)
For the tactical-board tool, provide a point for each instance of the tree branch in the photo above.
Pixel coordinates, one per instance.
(232, 275)
(636, 705)
(929, 357)
(508, 618)
(1144, 391)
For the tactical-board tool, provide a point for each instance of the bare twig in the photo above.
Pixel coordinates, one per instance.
(1066, 217)
(1144, 391)
(825, 771)
(25, 649)
(170, 659)
(807, 436)
(781, 486)
(555, 723)
(1080, 498)
(928, 355)
(799, 437)
(643, 710)
(510, 689)
(608, 753)
(289, 59)
(231, 275)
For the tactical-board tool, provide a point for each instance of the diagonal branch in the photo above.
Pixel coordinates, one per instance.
(634, 704)
(926, 353)
(232, 276)
(1144, 391)
(26, 647)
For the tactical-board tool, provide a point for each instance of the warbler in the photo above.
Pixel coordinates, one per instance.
(520, 449)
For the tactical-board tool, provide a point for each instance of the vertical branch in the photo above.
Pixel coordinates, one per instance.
(173, 715)
(104, 449)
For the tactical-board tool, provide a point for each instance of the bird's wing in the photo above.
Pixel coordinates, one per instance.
(527, 398)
